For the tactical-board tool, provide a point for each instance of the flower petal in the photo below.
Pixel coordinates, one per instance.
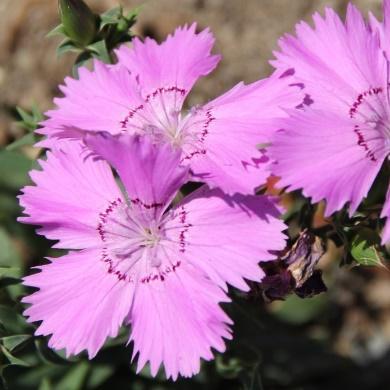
(176, 63)
(150, 173)
(334, 149)
(78, 302)
(98, 101)
(330, 157)
(177, 321)
(227, 236)
(70, 192)
(382, 28)
(146, 88)
(230, 129)
(335, 62)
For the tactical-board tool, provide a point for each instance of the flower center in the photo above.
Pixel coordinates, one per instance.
(151, 236)
(371, 115)
(161, 118)
(138, 245)
(129, 236)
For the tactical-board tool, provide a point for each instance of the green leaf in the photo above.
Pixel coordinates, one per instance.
(366, 254)
(37, 113)
(99, 50)
(9, 271)
(45, 384)
(6, 282)
(27, 139)
(32, 378)
(48, 355)
(12, 359)
(75, 377)
(65, 46)
(364, 248)
(26, 117)
(99, 374)
(29, 120)
(11, 342)
(27, 126)
(58, 30)
(3, 331)
(12, 321)
(14, 168)
(111, 16)
(9, 258)
(8, 209)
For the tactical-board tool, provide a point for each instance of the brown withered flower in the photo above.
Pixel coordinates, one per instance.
(294, 271)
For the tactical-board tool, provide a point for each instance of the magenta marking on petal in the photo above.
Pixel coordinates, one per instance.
(116, 254)
(205, 131)
(103, 217)
(183, 220)
(352, 113)
(209, 119)
(287, 73)
(147, 206)
(166, 89)
(161, 273)
(147, 99)
(112, 270)
(363, 143)
(360, 99)
(192, 154)
(130, 114)
(102, 233)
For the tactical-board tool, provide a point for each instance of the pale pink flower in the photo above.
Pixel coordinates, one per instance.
(135, 259)
(144, 94)
(334, 147)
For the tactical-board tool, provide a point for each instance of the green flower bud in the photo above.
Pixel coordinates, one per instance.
(122, 25)
(78, 21)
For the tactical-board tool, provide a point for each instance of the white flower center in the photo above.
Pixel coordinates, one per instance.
(161, 117)
(129, 235)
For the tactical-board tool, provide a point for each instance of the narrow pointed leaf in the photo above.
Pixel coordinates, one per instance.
(11, 342)
(27, 139)
(66, 46)
(364, 249)
(12, 359)
(58, 30)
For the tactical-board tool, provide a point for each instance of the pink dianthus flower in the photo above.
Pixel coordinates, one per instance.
(335, 146)
(143, 94)
(136, 259)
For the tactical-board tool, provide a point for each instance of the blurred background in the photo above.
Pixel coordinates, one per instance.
(336, 340)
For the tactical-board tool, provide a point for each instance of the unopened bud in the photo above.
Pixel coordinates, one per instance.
(78, 21)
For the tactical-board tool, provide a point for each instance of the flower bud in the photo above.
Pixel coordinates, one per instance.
(78, 21)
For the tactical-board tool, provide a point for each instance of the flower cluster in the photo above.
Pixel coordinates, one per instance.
(121, 146)
(137, 255)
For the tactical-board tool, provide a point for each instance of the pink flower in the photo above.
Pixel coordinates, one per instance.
(144, 94)
(134, 260)
(334, 148)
